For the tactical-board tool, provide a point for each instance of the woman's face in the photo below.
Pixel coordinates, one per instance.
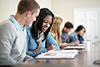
(81, 32)
(46, 23)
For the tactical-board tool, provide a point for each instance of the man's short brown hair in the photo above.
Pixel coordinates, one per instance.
(27, 5)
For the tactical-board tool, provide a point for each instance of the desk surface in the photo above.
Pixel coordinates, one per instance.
(84, 59)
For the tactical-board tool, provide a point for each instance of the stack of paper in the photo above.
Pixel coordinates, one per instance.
(69, 54)
(80, 47)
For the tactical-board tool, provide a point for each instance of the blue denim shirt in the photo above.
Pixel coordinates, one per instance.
(74, 37)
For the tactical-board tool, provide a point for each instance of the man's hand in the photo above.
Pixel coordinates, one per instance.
(28, 60)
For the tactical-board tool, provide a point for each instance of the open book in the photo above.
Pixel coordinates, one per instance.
(80, 47)
(69, 54)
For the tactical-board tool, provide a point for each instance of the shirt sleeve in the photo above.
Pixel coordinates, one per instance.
(27, 57)
(73, 38)
(51, 40)
(6, 44)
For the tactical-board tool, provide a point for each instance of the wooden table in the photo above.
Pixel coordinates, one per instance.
(84, 59)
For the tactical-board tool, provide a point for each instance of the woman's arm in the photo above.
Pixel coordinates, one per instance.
(32, 53)
(30, 43)
(51, 41)
(74, 38)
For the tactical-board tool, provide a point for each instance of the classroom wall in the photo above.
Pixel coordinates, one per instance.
(62, 8)
(45, 3)
(65, 8)
(7, 7)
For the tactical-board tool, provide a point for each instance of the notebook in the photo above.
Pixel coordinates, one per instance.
(80, 47)
(62, 54)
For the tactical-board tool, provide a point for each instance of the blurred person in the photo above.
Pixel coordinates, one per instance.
(77, 36)
(56, 31)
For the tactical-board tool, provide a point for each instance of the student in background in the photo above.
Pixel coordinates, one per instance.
(12, 33)
(39, 33)
(65, 36)
(56, 31)
(77, 36)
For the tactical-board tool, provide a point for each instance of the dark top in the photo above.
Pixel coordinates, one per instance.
(65, 37)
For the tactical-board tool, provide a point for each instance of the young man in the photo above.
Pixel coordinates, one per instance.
(12, 33)
(67, 28)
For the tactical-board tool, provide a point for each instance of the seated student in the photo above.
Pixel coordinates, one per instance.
(12, 33)
(56, 31)
(77, 36)
(39, 33)
(65, 36)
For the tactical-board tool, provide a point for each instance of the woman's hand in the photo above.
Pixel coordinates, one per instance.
(77, 42)
(51, 47)
(35, 51)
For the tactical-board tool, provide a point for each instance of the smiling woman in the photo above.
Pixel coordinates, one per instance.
(39, 33)
(46, 23)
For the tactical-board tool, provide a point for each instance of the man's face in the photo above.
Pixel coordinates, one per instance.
(68, 30)
(32, 18)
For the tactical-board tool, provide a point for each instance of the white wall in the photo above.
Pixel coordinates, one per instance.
(7, 7)
(65, 8)
(45, 3)
(62, 8)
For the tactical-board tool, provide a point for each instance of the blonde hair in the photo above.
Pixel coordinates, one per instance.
(56, 29)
